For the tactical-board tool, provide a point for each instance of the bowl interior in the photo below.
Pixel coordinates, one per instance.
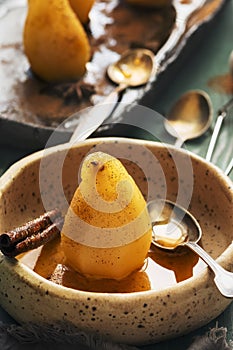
(48, 179)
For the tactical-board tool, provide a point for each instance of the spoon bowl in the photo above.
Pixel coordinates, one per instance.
(174, 226)
(190, 117)
(134, 68)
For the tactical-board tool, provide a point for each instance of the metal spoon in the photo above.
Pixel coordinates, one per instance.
(174, 226)
(222, 113)
(184, 10)
(190, 117)
(134, 68)
(229, 167)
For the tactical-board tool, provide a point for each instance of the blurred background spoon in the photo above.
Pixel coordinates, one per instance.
(229, 167)
(190, 116)
(174, 226)
(222, 113)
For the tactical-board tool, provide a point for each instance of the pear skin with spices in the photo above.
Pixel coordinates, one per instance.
(107, 231)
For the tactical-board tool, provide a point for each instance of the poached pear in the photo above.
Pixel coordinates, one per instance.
(107, 230)
(82, 8)
(55, 41)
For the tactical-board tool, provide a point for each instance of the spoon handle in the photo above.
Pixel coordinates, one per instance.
(183, 12)
(229, 167)
(221, 116)
(166, 50)
(94, 116)
(179, 142)
(214, 137)
(223, 278)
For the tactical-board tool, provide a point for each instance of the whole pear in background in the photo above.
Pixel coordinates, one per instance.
(82, 8)
(55, 41)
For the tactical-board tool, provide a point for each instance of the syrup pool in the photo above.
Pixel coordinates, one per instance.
(161, 270)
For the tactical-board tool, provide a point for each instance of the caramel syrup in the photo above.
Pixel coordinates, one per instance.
(162, 269)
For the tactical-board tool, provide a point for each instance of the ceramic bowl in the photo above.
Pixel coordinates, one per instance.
(37, 183)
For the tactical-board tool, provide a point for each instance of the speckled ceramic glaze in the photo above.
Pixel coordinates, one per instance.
(31, 186)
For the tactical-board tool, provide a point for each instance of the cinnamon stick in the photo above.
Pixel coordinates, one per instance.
(31, 235)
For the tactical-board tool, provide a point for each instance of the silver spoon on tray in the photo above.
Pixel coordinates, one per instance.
(150, 65)
(174, 226)
(190, 116)
(184, 10)
(133, 69)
